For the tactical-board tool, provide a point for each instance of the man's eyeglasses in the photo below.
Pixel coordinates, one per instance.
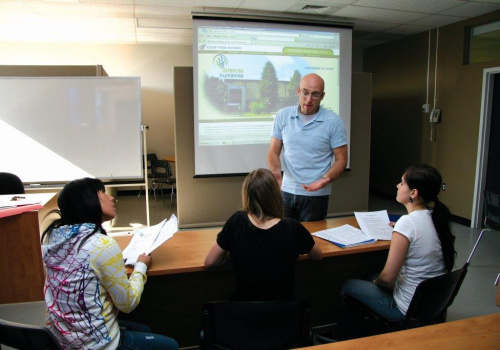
(314, 95)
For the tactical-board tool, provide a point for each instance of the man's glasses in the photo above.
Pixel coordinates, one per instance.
(314, 95)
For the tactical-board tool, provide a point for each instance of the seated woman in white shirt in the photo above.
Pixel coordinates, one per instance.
(422, 247)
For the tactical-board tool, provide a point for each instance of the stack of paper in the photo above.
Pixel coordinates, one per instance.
(17, 204)
(147, 239)
(345, 236)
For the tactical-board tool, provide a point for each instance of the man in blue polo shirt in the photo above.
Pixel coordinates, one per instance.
(309, 136)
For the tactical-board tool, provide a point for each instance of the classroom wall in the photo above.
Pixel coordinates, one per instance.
(152, 63)
(211, 201)
(401, 132)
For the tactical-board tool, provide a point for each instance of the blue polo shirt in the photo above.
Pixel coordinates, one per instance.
(307, 149)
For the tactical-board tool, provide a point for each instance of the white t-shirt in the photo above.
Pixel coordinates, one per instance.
(424, 258)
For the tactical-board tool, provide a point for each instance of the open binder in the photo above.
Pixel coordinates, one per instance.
(345, 236)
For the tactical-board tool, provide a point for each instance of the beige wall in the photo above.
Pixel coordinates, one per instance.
(152, 63)
(401, 132)
(211, 201)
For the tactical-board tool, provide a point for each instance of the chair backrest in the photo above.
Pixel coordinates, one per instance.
(432, 297)
(149, 158)
(255, 325)
(24, 337)
(10, 184)
(160, 168)
(492, 210)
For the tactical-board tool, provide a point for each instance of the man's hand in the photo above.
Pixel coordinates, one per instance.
(317, 185)
(278, 177)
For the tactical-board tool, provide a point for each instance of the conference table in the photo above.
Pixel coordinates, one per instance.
(178, 284)
(481, 332)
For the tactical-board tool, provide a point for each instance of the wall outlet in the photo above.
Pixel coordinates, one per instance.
(443, 186)
(425, 108)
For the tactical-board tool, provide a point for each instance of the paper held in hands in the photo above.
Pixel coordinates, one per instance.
(345, 236)
(375, 224)
(148, 239)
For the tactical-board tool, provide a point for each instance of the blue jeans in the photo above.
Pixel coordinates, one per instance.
(136, 336)
(377, 299)
(305, 208)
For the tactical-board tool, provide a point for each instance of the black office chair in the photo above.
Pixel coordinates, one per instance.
(492, 215)
(492, 210)
(149, 158)
(27, 337)
(162, 175)
(10, 184)
(255, 325)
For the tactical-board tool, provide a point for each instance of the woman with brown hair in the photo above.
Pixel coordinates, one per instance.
(264, 246)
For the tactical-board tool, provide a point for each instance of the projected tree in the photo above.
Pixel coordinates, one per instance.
(216, 92)
(291, 90)
(268, 87)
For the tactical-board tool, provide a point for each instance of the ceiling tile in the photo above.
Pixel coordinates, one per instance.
(279, 6)
(423, 6)
(472, 9)
(379, 15)
(329, 8)
(372, 26)
(408, 29)
(437, 20)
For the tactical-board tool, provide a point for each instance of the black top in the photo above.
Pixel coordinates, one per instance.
(264, 259)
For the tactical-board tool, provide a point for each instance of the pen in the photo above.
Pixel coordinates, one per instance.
(16, 198)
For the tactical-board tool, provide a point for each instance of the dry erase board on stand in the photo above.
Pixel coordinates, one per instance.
(54, 130)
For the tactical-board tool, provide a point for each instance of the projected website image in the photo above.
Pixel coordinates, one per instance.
(254, 91)
(235, 133)
(242, 87)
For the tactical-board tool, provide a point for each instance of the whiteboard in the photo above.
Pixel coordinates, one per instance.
(54, 130)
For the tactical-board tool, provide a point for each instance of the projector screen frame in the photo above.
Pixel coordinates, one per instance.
(274, 20)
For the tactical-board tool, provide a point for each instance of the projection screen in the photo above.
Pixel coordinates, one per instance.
(245, 71)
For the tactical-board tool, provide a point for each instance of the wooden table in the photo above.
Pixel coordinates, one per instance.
(472, 333)
(170, 159)
(186, 250)
(178, 284)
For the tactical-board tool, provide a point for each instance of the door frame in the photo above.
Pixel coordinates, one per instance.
(483, 145)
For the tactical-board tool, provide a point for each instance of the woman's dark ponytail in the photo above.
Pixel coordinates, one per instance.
(427, 180)
(441, 218)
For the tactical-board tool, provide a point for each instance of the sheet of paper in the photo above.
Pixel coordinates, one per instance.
(166, 232)
(345, 235)
(142, 241)
(375, 224)
(17, 200)
(145, 240)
